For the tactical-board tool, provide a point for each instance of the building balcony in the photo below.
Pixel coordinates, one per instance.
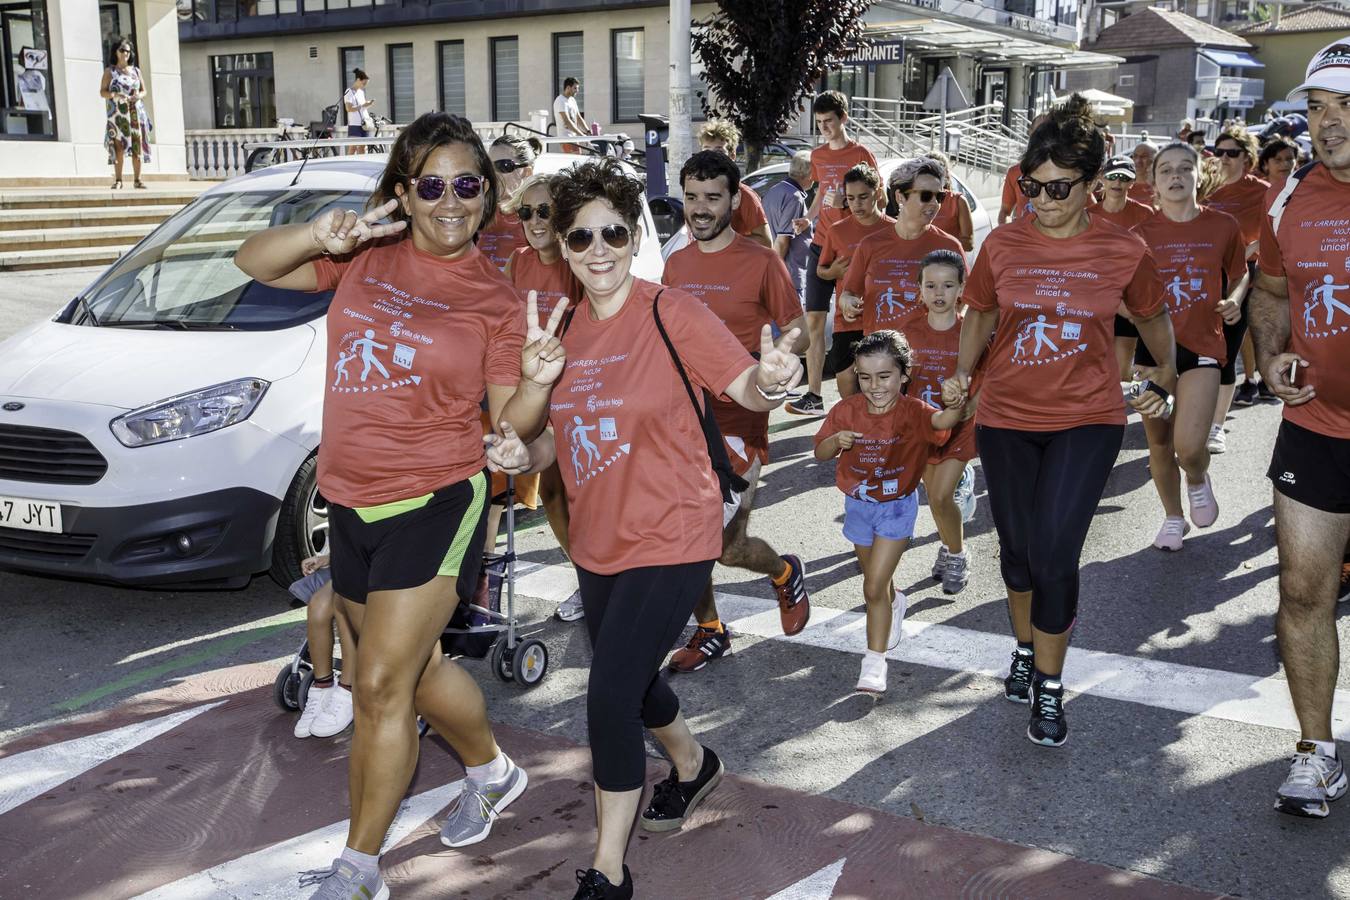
(1231, 91)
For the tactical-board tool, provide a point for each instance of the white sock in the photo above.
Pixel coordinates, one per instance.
(366, 863)
(874, 656)
(489, 772)
(961, 555)
(1326, 748)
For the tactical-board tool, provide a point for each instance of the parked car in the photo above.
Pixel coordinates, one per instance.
(761, 180)
(162, 429)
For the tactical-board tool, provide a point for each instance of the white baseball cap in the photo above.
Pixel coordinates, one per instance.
(1329, 70)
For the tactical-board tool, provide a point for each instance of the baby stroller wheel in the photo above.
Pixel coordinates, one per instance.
(530, 663)
(306, 681)
(286, 689)
(501, 660)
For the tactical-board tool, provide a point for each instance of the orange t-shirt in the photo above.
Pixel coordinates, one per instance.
(640, 488)
(1199, 262)
(549, 282)
(1013, 198)
(413, 342)
(948, 218)
(1276, 185)
(1052, 364)
(828, 168)
(1132, 214)
(1142, 192)
(749, 217)
(843, 240)
(1244, 200)
(935, 353)
(887, 462)
(747, 286)
(1312, 250)
(501, 237)
(885, 273)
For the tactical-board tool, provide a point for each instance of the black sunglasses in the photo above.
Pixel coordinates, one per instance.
(432, 187)
(1056, 190)
(928, 196)
(579, 240)
(507, 166)
(528, 212)
(1230, 152)
(1114, 176)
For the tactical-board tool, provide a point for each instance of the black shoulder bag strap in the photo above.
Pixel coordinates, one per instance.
(727, 479)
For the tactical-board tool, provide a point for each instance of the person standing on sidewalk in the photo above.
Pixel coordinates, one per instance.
(128, 129)
(1300, 308)
(747, 287)
(785, 205)
(356, 110)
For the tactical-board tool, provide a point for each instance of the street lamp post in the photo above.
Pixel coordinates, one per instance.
(679, 147)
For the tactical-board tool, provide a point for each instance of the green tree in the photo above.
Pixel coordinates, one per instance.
(762, 58)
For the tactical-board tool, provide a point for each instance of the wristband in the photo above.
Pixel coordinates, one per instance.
(1150, 386)
(322, 249)
(772, 398)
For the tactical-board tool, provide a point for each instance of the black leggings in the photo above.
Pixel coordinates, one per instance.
(634, 619)
(818, 290)
(1044, 487)
(1233, 334)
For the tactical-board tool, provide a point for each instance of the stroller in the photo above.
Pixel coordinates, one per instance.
(478, 629)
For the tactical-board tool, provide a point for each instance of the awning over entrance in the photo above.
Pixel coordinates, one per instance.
(939, 37)
(1232, 59)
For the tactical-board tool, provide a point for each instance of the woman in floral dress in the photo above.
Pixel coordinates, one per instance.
(128, 131)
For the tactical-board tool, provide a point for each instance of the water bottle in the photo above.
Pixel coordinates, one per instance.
(1137, 389)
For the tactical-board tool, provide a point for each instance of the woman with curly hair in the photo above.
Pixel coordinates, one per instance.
(1050, 420)
(627, 419)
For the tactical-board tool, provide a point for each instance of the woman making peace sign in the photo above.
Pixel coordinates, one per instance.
(419, 315)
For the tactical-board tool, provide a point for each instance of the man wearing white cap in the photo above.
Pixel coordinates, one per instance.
(1300, 320)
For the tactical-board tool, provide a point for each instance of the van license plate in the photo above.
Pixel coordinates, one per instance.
(30, 515)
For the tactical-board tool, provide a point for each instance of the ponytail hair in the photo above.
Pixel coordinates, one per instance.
(1069, 138)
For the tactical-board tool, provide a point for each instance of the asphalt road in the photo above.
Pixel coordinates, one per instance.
(1166, 773)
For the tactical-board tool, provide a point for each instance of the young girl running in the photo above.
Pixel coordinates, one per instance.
(935, 341)
(883, 440)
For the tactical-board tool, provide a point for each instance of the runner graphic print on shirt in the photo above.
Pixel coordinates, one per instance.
(1042, 339)
(371, 360)
(1325, 297)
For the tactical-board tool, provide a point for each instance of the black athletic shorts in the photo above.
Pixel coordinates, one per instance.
(1311, 468)
(818, 290)
(405, 544)
(841, 350)
(1125, 328)
(1186, 359)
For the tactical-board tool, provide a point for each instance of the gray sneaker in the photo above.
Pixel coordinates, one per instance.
(1313, 780)
(941, 565)
(478, 806)
(570, 609)
(955, 576)
(343, 881)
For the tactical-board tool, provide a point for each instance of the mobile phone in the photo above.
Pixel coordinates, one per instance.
(1293, 370)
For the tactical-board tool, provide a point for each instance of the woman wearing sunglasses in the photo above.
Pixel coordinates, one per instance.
(513, 160)
(421, 327)
(1242, 195)
(646, 505)
(1050, 420)
(1203, 265)
(540, 268)
(881, 286)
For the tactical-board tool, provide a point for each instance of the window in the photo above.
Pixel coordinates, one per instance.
(450, 64)
(349, 58)
(1125, 81)
(26, 96)
(627, 52)
(505, 79)
(245, 90)
(567, 63)
(402, 105)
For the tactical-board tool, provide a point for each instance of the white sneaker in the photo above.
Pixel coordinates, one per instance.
(570, 609)
(1218, 441)
(897, 620)
(872, 680)
(1204, 507)
(1170, 535)
(314, 702)
(336, 714)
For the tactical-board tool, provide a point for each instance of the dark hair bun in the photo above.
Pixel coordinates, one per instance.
(1069, 138)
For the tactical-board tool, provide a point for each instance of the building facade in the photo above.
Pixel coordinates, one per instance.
(1286, 42)
(54, 120)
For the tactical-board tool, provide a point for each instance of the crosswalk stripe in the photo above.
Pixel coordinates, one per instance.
(32, 773)
(271, 873)
(1231, 696)
(816, 886)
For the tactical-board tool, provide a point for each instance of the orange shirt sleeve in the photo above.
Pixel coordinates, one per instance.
(871, 159)
(1235, 258)
(979, 292)
(780, 297)
(1268, 256)
(921, 422)
(855, 279)
(749, 215)
(1009, 200)
(828, 251)
(328, 271)
(833, 424)
(1144, 294)
(501, 366)
(712, 356)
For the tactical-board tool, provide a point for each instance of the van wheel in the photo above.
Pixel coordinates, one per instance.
(302, 525)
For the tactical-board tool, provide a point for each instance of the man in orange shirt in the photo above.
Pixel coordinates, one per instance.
(748, 218)
(747, 287)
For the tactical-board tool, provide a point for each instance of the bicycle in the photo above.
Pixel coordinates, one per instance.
(262, 157)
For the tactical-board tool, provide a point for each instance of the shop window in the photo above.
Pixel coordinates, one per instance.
(26, 81)
(245, 90)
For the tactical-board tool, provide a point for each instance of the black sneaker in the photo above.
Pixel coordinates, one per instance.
(1017, 686)
(591, 885)
(1265, 394)
(674, 800)
(1246, 394)
(809, 405)
(1048, 726)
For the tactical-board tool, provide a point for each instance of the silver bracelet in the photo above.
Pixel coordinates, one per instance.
(772, 398)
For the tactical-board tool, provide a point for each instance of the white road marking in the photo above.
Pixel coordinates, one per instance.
(272, 873)
(1194, 690)
(816, 886)
(32, 773)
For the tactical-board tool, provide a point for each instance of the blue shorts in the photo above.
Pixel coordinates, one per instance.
(893, 519)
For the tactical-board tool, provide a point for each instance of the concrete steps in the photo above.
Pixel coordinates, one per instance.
(60, 258)
(18, 219)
